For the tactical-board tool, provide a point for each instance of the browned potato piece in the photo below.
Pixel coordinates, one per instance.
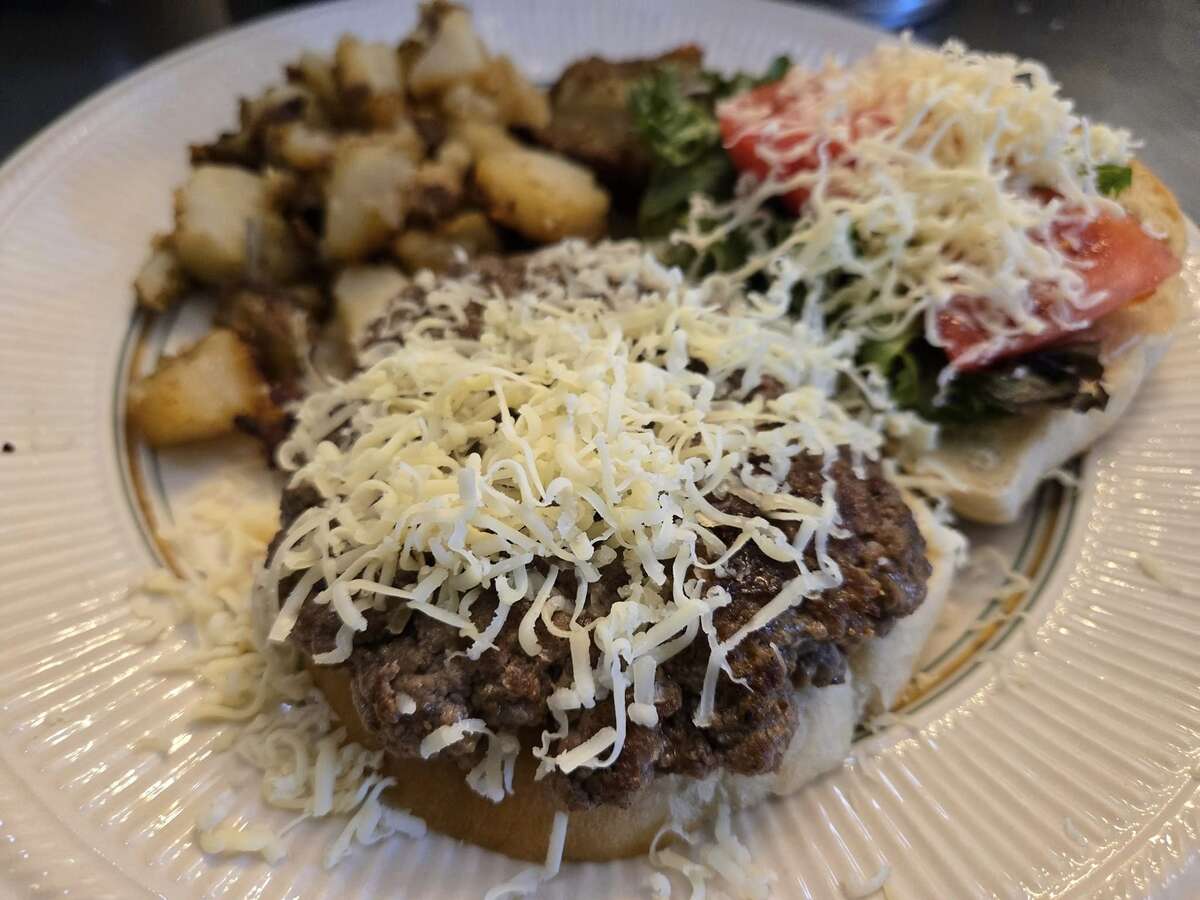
(519, 102)
(467, 103)
(472, 231)
(277, 106)
(366, 197)
(161, 279)
(198, 394)
(543, 196)
(315, 72)
(370, 81)
(418, 249)
(438, 186)
(360, 296)
(469, 233)
(483, 138)
(299, 145)
(227, 228)
(454, 52)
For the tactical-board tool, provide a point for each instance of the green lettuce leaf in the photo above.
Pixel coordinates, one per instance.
(676, 129)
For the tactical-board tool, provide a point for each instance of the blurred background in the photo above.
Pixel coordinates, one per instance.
(1135, 64)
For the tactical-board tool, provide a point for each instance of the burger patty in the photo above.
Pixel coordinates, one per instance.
(884, 573)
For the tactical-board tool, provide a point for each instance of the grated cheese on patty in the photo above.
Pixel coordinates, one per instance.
(601, 406)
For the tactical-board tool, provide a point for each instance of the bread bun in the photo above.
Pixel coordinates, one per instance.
(519, 826)
(998, 465)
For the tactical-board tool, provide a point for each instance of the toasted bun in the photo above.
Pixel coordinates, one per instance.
(519, 826)
(998, 465)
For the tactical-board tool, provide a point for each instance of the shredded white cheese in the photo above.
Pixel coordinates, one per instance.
(1162, 574)
(919, 167)
(279, 723)
(591, 423)
(867, 887)
(527, 881)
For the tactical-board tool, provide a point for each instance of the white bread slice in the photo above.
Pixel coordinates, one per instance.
(997, 466)
(520, 825)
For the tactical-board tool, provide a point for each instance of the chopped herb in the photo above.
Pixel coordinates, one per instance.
(675, 128)
(675, 117)
(1112, 180)
(666, 196)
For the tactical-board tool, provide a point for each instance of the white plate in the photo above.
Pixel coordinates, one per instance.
(1065, 763)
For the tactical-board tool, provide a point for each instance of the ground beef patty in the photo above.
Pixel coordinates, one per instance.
(884, 573)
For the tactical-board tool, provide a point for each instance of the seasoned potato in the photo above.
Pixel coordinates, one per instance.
(369, 79)
(419, 248)
(543, 196)
(161, 280)
(299, 145)
(518, 101)
(438, 186)
(315, 72)
(366, 197)
(283, 103)
(454, 52)
(360, 296)
(199, 393)
(483, 138)
(472, 231)
(469, 234)
(277, 106)
(227, 228)
(276, 325)
(468, 103)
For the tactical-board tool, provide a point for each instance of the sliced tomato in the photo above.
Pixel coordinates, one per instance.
(1116, 257)
(763, 126)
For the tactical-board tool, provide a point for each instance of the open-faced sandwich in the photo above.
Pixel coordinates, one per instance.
(584, 539)
(1009, 267)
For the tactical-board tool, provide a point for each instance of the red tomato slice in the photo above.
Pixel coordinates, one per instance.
(1117, 257)
(764, 124)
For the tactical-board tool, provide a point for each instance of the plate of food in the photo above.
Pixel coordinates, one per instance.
(596, 450)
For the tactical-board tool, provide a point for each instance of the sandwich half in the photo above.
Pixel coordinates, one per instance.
(581, 538)
(997, 463)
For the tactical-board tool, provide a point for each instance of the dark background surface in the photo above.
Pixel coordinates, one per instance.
(1130, 63)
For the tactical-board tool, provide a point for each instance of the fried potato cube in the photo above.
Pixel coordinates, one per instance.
(543, 196)
(161, 279)
(300, 146)
(315, 72)
(227, 229)
(419, 248)
(454, 52)
(365, 198)
(370, 81)
(467, 103)
(439, 183)
(469, 234)
(483, 138)
(361, 295)
(472, 231)
(519, 102)
(198, 394)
